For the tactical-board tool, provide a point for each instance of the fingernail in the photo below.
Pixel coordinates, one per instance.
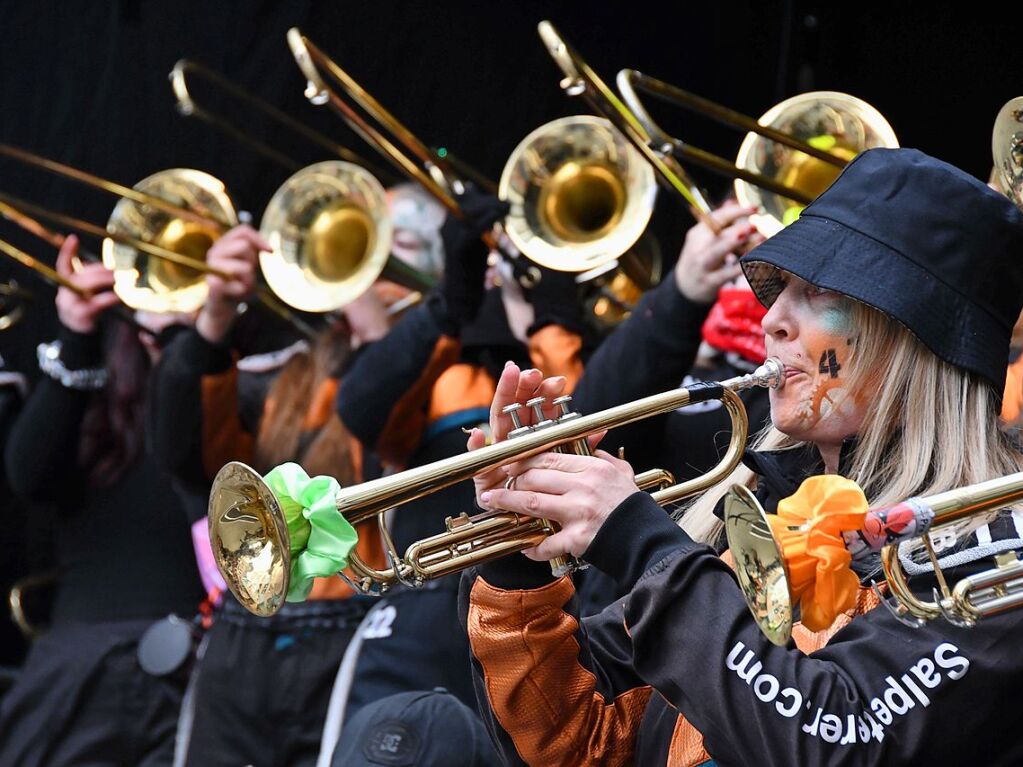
(508, 364)
(485, 497)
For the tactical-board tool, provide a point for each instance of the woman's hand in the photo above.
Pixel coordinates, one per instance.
(75, 312)
(709, 260)
(237, 254)
(578, 492)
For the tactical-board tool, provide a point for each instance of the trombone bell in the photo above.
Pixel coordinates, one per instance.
(331, 236)
(153, 284)
(838, 123)
(580, 195)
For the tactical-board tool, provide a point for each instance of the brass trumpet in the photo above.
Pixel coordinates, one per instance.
(249, 535)
(1007, 150)
(762, 574)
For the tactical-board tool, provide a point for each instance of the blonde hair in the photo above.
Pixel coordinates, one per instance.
(929, 426)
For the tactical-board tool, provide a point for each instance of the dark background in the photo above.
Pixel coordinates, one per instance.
(85, 82)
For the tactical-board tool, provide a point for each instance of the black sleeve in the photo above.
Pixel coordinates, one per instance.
(175, 417)
(386, 370)
(877, 693)
(649, 353)
(41, 454)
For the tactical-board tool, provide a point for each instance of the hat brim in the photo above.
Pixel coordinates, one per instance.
(835, 257)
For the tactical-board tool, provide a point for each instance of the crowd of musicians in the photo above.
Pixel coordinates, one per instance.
(890, 304)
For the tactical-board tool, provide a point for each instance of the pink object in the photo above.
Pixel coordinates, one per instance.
(212, 580)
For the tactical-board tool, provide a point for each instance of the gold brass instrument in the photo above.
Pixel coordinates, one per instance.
(328, 223)
(761, 567)
(12, 304)
(157, 236)
(788, 157)
(1007, 150)
(579, 195)
(249, 535)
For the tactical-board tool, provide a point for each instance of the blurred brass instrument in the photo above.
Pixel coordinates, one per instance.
(788, 157)
(249, 535)
(12, 304)
(328, 223)
(156, 239)
(761, 567)
(1007, 150)
(580, 197)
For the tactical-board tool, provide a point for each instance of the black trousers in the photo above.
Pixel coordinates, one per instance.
(263, 685)
(82, 701)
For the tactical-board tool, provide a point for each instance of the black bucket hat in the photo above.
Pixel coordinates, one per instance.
(919, 240)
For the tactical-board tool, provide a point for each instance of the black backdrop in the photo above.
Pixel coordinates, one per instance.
(85, 81)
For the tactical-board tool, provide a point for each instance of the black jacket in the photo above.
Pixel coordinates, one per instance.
(682, 642)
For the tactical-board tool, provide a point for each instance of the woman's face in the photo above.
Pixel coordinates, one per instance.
(810, 330)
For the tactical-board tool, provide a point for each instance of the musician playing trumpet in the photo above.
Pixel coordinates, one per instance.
(890, 304)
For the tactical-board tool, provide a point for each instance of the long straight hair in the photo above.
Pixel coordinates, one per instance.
(928, 427)
(283, 426)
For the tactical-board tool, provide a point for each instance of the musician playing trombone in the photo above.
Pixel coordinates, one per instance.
(890, 304)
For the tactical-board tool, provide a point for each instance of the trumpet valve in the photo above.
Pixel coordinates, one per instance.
(562, 404)
(512, 411)
(537, 404)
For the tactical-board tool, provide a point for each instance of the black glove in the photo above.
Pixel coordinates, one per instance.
(465, 257)
(556, 301)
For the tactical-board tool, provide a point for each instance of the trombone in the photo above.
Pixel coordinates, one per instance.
(580, 197)
(172, 216)
(328, 222)
(12, 304)
(788, 157)
(249, 534)
(1007, 150)
(765, 582)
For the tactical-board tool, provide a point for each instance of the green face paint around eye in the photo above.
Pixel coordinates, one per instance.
(836, 316)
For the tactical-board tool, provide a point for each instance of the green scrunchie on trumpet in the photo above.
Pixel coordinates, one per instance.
(321, 540)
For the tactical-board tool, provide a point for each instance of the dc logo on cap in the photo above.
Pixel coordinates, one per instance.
(392, 743)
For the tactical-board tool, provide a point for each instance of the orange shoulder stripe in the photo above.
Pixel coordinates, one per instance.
(223, 437)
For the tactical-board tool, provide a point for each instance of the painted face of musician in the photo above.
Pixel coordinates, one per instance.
(811, 331)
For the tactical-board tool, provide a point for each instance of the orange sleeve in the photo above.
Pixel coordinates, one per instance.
(408, 417)
(557, 352)
(223, 437)
(1012, 400)
(540, 693)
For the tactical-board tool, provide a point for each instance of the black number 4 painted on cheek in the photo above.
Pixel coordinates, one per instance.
(829, 363)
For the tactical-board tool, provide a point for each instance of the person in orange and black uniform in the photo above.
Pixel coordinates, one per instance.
(702, 323)
(122, 546)
(409, 396)
(260, 691)
(890, 305)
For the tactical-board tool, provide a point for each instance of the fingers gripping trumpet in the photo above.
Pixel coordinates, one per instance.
(253, 530)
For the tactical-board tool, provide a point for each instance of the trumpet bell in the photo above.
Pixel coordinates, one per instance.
(156, 284)
(580, 195)
(331, 236)
(759, 564)
(249, 537)
(834, 122)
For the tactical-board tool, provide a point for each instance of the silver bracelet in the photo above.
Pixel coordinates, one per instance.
(87, 379)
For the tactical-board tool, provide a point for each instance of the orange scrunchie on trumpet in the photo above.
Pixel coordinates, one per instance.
(815, 554)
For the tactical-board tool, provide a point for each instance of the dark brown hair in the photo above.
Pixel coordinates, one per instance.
(113, 428)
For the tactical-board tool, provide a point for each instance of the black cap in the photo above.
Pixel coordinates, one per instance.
(420, 729)
(919, 240)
